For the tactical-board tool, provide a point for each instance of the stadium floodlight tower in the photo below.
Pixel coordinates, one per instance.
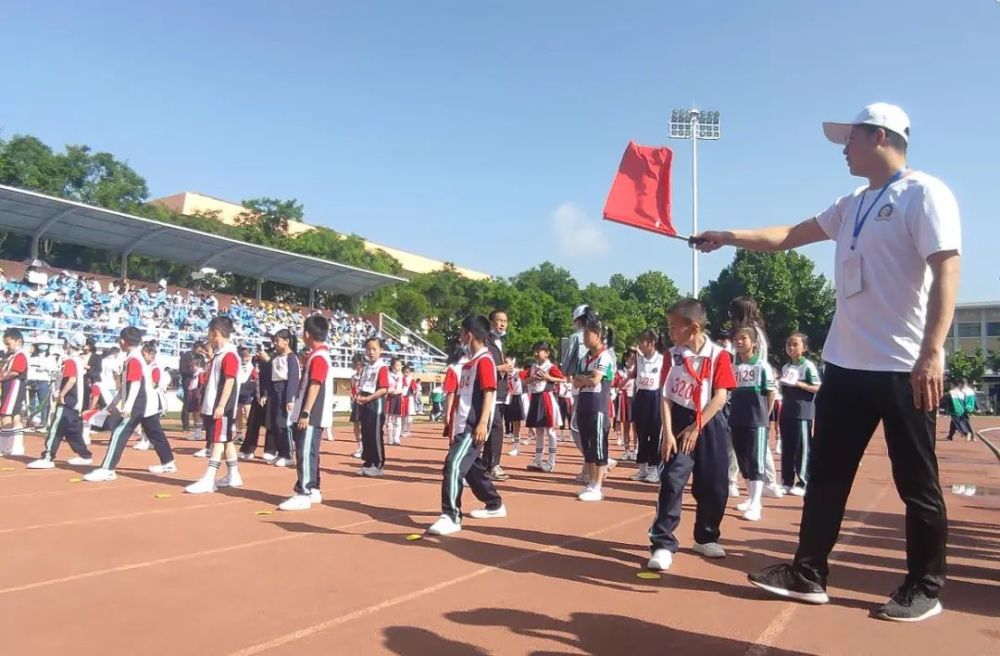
(694, 124)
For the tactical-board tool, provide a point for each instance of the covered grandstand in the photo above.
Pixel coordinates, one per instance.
(47, 310)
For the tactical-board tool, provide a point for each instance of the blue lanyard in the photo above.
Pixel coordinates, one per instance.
(859, 219)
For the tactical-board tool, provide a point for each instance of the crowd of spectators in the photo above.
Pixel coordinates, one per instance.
(45, 306)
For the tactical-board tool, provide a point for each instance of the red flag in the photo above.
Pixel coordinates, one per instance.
(640, 194)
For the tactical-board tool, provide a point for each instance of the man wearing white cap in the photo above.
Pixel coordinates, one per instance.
(896, 274)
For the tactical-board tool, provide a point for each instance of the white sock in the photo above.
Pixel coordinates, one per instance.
(756, 489)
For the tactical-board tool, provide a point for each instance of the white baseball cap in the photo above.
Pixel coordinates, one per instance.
(883, 115)
(579, 311)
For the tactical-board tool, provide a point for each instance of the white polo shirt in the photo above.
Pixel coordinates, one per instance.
(881, 327)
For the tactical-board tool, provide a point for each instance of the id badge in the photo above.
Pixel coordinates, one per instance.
(852, 281)
(791, 377)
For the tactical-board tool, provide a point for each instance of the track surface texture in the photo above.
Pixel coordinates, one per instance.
(119, 568)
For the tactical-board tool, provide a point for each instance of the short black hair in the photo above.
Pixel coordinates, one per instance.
(374, 339)
(590, 321)
(223, 324)
(132, 336)
(803, 337)
(478, 326)
(895, 139)
(316, 327)
(689, 309)
(13, 333)
(150, 347)
(357, 359)
(542, 346)
(494, 313)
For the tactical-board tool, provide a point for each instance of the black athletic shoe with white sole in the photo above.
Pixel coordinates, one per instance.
(785, 581)
(909, 604)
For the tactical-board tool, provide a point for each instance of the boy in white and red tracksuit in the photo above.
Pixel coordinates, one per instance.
(313, 413)
(471, 420)
(69, 401)
(695, 435)
(12, 392)
(137, 404)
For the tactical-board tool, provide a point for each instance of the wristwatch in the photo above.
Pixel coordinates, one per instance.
(304, 415)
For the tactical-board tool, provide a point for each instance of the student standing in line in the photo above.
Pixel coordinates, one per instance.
(647, 424)
(799, 383)
(594, 377)
(372, 389)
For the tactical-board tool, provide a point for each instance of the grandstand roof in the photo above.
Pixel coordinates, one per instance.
(30, 213)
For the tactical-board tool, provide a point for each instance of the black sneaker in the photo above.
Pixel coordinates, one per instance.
(785, 581)
(909, 604)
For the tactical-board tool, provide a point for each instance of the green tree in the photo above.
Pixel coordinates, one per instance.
(993, 361)
(266, 219)
(791, 296)
(963, 366)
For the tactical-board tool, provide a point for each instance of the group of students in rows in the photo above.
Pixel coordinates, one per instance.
(697, 408)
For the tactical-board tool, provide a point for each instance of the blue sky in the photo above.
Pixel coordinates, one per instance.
(478, 131)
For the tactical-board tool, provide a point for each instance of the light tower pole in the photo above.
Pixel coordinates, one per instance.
(694, 124)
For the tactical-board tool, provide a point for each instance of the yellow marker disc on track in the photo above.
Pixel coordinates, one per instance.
(162, 495)
(413, 537)
(263, 512)
(650, 576)
(6, 469)
(75, 480)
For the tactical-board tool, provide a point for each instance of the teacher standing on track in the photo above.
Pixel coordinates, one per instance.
(896, 274)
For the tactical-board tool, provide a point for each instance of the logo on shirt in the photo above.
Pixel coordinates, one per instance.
(884, 212)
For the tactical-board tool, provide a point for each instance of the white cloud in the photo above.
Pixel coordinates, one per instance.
(576, 234)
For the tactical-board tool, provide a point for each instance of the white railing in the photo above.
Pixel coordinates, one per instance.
(392, 328)
(41, 329)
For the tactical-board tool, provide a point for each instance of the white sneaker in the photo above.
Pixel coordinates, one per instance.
(100, 475)
(231, 479)
(201, 486)
(548, 466)
(296, 502)
(653, 476)
(798, 491)
(282, 462)
(195, 437)
(268, 457)
(315, 496)
(201, 453)
(357, 454)
(734, 490)
(773, 490)
(612, 463)
(514, 452)
(709, 550)
(244, 456)
(640, 473)
(41, 463)
(743, 506)
(372, 471)
(535, 465)
(79, 461)
(752, 514)
(486, 513)
(142, 445)
(444, 526)
(661, 560)
(165, 468)
(591, 494)
(378, 472)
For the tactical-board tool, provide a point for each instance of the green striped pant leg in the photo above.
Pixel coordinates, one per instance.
(804, 451)
(54, 436)
(119, 438)
(455, 468)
